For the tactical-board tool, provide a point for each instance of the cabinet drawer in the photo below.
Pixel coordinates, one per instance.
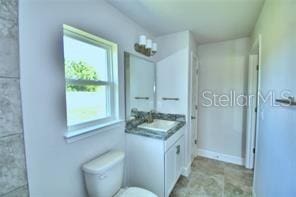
(172, 140)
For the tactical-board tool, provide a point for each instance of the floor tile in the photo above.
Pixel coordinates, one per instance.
(211, 178)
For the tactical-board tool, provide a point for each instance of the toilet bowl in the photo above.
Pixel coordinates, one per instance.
(104, 175)
(134, 192)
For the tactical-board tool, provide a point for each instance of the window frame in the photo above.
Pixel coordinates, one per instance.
(111, 84)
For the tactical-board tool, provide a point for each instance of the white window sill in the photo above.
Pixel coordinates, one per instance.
(73, 136)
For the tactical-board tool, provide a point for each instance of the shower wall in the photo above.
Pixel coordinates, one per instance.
(13, 179)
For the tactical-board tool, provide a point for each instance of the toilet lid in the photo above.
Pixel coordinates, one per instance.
(137, 192)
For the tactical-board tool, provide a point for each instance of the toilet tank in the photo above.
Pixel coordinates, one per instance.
(104, 175)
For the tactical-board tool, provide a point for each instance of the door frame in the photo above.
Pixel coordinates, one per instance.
(253, 120)
(193, 151)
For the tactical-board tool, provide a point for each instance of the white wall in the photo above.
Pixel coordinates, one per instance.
(54, 165)
(169, 44)
(223, 68)
(276, 162)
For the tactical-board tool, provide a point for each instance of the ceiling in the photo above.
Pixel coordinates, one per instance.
(208, 20)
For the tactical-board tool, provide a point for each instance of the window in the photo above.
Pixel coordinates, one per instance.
(91, 81)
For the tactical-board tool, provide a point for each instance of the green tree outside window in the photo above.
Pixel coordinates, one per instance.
(80, 70)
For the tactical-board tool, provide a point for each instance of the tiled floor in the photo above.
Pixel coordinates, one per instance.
(211, 178)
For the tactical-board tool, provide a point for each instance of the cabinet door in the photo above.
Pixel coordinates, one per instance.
(174, 84)
(170, 170)
(145, 163)
(174, 162)
(180, 153)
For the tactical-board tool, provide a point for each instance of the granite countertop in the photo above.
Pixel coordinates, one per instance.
(156, 134)
(132, 125)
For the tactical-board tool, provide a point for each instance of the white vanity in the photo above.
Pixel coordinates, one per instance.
(155, 164)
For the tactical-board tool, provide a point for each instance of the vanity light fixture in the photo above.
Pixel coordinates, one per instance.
(146, 46)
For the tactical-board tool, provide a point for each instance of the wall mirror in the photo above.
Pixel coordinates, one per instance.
(140, 84)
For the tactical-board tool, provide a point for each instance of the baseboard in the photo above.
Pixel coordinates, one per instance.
(221, 157)
(186, 170)
(195, 152)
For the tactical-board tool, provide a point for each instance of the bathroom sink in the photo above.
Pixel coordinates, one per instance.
(159, 125)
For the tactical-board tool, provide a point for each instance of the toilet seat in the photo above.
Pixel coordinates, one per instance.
(134, 192)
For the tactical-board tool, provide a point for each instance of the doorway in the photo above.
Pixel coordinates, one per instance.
(253, 108)
(194, 104)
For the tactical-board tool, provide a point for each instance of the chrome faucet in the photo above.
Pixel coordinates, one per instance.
(134, 112)
(149, 118)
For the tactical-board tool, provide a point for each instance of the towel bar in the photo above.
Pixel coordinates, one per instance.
(170, 99)
(290, 101)
(144, 98)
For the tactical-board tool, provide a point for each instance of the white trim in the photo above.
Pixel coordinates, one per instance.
(186, 170)
(195, 152)
(74, 136)
(192, 69)
(253, 192)
(251, 114)
(221, 157)
(112, 85)
(259, 111)
(253, 123)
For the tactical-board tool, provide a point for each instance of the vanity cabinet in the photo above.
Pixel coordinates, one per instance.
(154, 164)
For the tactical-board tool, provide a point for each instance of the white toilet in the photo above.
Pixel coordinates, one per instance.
(104, 175)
